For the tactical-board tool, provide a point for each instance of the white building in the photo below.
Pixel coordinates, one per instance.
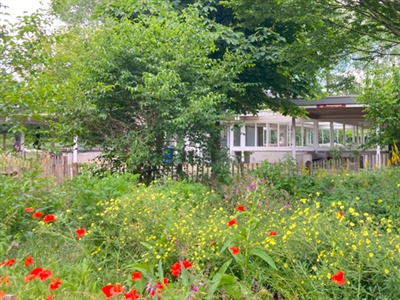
(333, 123)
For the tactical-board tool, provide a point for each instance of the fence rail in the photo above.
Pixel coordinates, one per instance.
(61, 170)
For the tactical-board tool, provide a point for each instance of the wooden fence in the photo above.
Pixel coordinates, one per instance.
(61, 170)
(47, 165)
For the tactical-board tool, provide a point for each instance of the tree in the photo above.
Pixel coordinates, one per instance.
(381, 95)
(150, 80)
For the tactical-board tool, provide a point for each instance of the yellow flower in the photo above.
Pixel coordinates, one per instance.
(370, 254)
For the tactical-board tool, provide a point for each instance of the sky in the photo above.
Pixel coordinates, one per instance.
(18, 7)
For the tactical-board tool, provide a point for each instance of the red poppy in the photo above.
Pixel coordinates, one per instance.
(111, 290)
(232, 222)
(159, 284)
(33, 274)
(235, 250)
(8, 263)
(37, 215)
(5, 279)
(107, 290)
(29, 277)
(80, 232)
(159, 288)
(29, 261)
(241, 208)
(45, 274)
(29, 209)
(338, 278)
(49, 218)
(341, 214)
(55, 283)
(176, 267)
(136, 276)
(36, 271)
(131, 295)
(49, 297)
(2, 294)
(272, 233)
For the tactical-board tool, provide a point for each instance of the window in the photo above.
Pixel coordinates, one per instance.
(250, 135)
(236, 136)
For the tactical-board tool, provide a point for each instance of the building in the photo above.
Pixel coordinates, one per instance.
(335, 125)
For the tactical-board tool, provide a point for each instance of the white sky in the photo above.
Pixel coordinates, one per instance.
(21, 7)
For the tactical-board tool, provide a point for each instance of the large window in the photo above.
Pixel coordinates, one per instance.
(250, 135)
(236, 136)
(261, 135)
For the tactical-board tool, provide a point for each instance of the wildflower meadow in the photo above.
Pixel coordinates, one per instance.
(265, 235)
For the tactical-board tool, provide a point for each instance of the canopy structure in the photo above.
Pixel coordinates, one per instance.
(332, 123)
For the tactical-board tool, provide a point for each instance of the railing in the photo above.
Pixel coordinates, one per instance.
(350, 164)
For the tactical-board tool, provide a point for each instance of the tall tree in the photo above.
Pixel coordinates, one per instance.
(150, 80)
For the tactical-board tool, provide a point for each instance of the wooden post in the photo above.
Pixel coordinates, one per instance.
(9, 297)
(74, 169)
(4, 140)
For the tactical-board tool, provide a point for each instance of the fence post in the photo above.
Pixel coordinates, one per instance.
(9, 297)
(74, 169)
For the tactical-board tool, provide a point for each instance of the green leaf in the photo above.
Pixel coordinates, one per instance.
(217, 277)
(148, 246)
(228, 242)
(185, 281)
(264, 256)
(160, 270)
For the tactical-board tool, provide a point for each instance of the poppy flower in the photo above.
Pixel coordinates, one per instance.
(80, 232)
(136, 276)
(8, 263)
(29, 209)
(107, 290)
(33, 274)
(241, 208)
(341, 214)
(232, 222)
(49, 218)
(159, 284)
(338, 278)
(45, 274)
(2, 294)
(111, 290)
(55, 283)
(272, 233)
(235, 250)
(29, 261)
(131, 295)
(36, 271)
(159, 287)
(49, 297)
(176, 267)
(6, 279)
(37, 215)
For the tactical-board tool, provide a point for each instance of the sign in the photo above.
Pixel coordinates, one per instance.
(330, 105)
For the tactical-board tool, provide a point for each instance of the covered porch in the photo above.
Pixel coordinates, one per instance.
(335, 127)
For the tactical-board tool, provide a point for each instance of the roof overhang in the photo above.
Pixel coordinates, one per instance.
(340, 109)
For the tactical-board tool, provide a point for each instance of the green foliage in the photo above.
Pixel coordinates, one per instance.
(284, 176)
(381, 96)
(347, 222)
(150, 80)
